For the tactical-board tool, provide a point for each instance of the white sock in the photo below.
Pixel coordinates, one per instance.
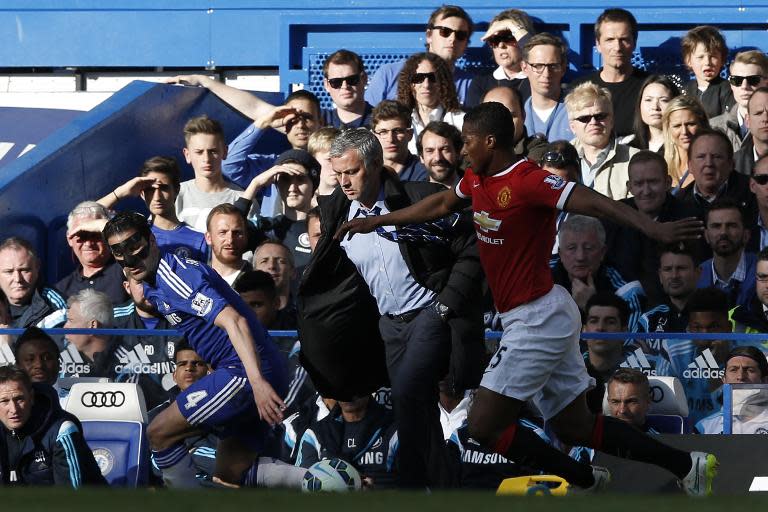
(276, 473)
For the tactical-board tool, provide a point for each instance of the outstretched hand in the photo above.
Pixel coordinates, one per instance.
(354, 226)
(195, 80)
(268, 402)
(681, 230)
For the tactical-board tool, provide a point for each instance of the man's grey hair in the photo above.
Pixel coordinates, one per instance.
(582, 224)
(364, 142)
(86, 210)
(94, 305)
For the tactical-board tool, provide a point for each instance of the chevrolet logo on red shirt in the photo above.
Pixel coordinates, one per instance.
(486, 223)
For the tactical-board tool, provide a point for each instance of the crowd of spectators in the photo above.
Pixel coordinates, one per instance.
(265, 223)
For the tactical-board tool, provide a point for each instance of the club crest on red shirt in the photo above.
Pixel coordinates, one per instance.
(504, 197)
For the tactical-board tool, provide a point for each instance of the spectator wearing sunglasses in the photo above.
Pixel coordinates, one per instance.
(545, 59)
(615, 39)
(756, 146)
(448, 31)
(748, 72)
(344, 79)
(758, 185)
(561, 159)
(426, 88)
(604, 161)
(506, 35)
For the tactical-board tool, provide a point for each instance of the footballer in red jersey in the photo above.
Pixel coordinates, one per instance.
(515, 206)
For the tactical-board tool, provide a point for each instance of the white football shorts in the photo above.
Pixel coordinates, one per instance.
(538, 358)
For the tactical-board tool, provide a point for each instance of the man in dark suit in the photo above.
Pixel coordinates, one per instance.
(422, 282)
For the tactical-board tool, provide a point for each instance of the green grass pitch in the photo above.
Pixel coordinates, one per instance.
(119, 500)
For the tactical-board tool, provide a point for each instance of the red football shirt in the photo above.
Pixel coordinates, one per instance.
(515, 213)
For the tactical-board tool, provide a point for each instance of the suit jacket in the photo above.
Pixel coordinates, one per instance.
(744, 158)
(635, 255)
(341, 347)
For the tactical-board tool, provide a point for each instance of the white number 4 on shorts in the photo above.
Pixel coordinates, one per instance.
(193, 398)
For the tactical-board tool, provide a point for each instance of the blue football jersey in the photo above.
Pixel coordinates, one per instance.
(190, 295)
(184, 242)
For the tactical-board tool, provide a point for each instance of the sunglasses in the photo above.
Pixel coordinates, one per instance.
(461, 35)
(336, 83)
(760, 179)
(554, 158)
(505, 36)
(418, 78)
(752, 80)
(602, 116)
(129, 245)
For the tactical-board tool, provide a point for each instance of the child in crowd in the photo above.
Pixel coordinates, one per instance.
(704, 53)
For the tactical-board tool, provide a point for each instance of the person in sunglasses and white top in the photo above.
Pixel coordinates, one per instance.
(448, 31)
(506, 35)
(425, 87)
(604, 162)
(748, 72)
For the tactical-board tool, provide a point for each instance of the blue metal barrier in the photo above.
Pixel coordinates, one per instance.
(489, 335)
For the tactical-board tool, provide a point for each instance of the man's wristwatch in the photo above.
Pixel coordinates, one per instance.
(443, 311)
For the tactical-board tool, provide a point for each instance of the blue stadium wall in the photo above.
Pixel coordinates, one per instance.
(294, 36)
(99, 150)
(96, 152)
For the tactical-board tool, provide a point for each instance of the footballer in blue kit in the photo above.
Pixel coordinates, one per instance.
(242, 396)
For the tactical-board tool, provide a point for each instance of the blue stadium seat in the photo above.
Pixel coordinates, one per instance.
(666, 423)
(121, 450)
(114, 418)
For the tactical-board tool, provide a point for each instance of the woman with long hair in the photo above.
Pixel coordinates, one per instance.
(425, 86)
(655, 93)
(682, 118)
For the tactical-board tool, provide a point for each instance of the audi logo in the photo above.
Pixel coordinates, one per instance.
(103, 399)
(657, 394)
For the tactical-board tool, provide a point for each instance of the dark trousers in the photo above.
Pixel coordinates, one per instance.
(417, 354)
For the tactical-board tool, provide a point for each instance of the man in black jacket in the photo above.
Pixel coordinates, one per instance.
(633, 254)
(40, 444)
(710, 160)
(425, 281)
(30, 303)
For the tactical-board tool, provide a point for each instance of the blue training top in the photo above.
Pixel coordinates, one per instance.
(190, 295)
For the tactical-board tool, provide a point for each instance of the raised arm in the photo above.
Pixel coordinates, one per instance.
(131, 188)
(249, 104)
(585, 201)
(430, 208)
(267, 401)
